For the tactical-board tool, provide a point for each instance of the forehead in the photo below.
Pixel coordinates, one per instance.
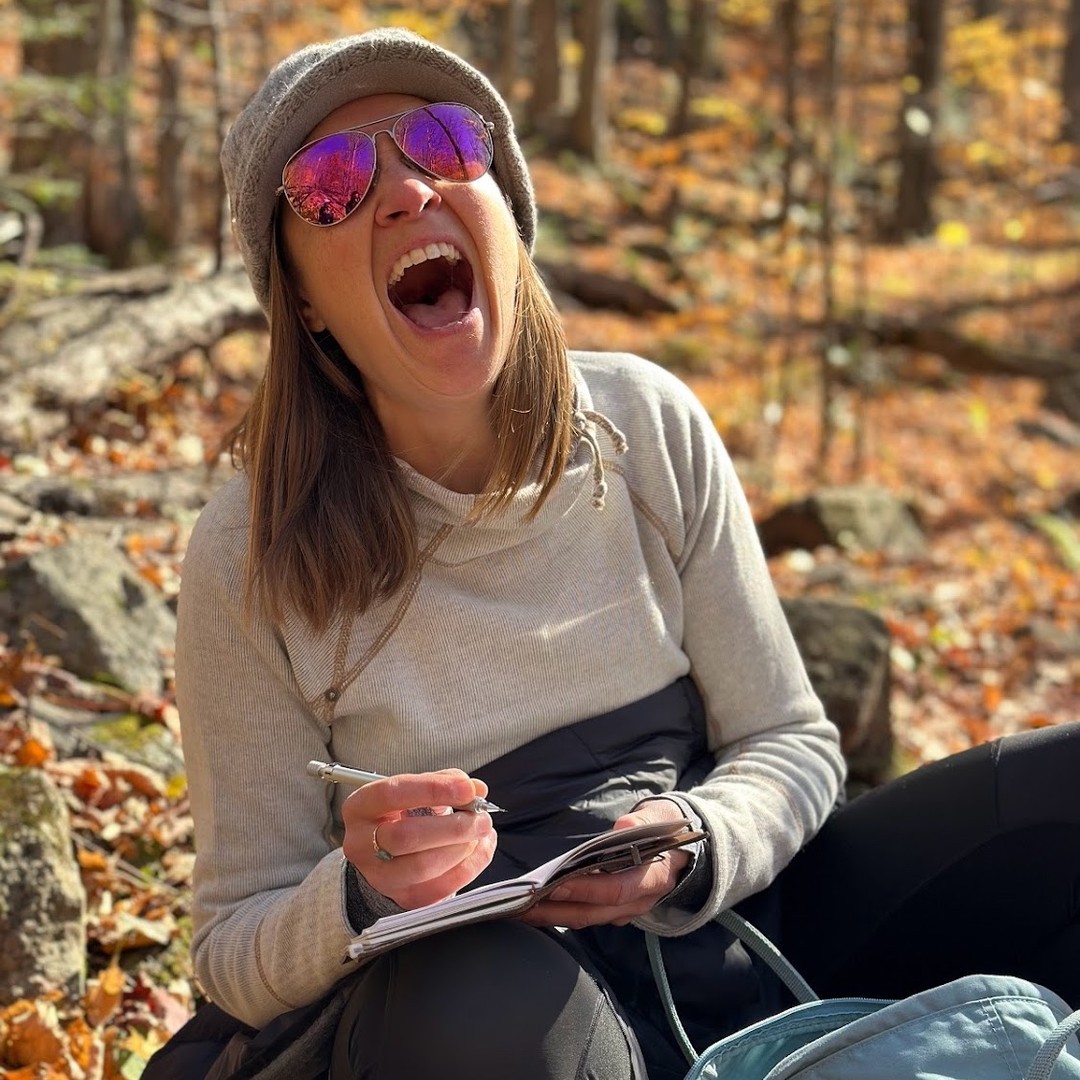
(363, 111)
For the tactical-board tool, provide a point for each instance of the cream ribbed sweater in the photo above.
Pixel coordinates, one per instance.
(512, 629)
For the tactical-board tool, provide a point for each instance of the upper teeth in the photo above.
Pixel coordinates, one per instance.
(419, 255)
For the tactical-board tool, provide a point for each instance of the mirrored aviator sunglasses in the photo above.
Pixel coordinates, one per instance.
(329, 177)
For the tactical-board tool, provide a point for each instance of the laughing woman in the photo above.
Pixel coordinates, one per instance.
(467, 559)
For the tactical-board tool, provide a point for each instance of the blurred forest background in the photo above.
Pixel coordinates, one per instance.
(853, 226)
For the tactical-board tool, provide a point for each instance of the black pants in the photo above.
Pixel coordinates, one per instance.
(971, 864)
(499, 999)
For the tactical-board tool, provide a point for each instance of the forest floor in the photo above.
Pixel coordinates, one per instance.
(985, 627)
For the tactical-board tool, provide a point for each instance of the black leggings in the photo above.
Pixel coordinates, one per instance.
(499, 999)
(967, 865)
(970, 864)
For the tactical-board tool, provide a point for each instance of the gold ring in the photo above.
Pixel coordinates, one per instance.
(380, 852)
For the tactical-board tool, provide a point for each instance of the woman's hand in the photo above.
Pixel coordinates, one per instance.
(434, 854)
(593, 899)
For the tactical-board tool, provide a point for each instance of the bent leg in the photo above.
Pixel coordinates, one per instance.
(970, 864)
(483, 1002)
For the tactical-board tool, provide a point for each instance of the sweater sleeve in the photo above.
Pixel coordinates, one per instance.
(272, 893)
(778, 765)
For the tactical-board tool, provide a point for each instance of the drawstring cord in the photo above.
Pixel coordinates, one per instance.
(581, 420)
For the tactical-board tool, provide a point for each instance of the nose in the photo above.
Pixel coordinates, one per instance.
(402, 191)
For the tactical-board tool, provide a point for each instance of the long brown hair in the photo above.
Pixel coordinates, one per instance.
(331, 526)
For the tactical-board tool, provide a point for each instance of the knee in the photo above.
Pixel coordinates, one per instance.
(494, 1000)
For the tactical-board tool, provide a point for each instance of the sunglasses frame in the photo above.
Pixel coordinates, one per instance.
(371, 136)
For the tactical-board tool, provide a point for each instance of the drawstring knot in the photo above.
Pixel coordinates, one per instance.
(582, 421)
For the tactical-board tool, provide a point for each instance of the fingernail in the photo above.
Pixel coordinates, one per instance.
(561, 893)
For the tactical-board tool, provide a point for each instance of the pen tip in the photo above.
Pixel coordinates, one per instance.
(315, 768)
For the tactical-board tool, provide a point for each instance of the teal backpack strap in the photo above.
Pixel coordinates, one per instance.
(762, 947)
(758, 944)
(1047, 1057)
(656, 962)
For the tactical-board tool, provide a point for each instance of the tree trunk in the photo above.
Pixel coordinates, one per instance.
(789, 35)
(589, 126)
(658, 14)
(86, 154)
(113, 218)
(63, 357)
(1070, 76)
(547, 67)
(216, 25)
(511, 18)
(56, 150)
(692, 55)
(830, 338)
(918, 119)
(172, 132)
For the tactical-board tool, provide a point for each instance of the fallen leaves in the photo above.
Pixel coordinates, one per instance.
(33, 1033)
(104, 994)
(985, 630)
(109, 1035)
(133, 836)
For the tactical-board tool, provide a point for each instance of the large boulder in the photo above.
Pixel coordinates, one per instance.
(84, 602)
(166, 493)
(42, 902)
(846, 652)
(856, 517)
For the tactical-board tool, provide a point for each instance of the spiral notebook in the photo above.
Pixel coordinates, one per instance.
(608, 853)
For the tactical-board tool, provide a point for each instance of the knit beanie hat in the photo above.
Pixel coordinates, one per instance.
(308, 85)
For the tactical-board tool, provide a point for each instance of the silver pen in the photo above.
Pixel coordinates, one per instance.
(333, 773)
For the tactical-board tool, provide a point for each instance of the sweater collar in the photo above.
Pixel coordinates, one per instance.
(436, 506)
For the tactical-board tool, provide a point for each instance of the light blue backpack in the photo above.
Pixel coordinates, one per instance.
(980, 1027)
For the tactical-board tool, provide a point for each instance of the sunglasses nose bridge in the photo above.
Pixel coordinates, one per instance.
(392, 134)
(399, 154)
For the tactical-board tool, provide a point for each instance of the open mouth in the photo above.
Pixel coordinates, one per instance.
(432, 286)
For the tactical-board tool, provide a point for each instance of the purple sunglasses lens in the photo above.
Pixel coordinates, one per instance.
(326, 182)
(451, 141)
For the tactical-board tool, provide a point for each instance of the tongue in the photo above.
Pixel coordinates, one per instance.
(449, 308)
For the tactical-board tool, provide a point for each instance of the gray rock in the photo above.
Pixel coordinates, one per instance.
(117, 495)
(42, 902)
(858, 517)
(846, 652)
(76, 731)
(84, 603)
(14, 513)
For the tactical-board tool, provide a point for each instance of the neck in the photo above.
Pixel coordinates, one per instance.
(457, 458)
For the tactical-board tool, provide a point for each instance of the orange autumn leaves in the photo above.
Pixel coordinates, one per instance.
(94, 1039)
(132, 835)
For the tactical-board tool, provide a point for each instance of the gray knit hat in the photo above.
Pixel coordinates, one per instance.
(304, 87)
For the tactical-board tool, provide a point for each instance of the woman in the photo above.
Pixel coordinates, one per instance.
(461, 557)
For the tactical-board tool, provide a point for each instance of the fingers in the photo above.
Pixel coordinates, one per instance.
(429, 891)
(426, 876)
(432, 854)
(406, 791)
(646, 883)
(578, 916)
(408, 835)
(599, 899)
